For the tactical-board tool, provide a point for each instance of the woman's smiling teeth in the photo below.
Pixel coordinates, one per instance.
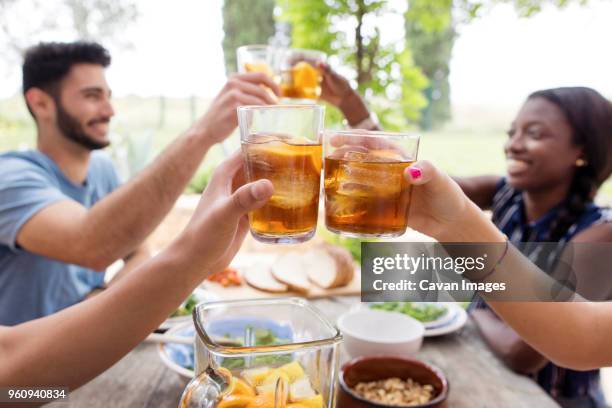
(516, 166)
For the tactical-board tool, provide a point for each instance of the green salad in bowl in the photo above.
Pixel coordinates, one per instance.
(186, 308)
(184, 311)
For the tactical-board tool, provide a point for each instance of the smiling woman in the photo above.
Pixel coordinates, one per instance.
(558, 155)
(540, 151)
(559, 152)
(559, 145)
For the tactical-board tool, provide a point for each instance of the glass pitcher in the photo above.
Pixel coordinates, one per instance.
(277, 353)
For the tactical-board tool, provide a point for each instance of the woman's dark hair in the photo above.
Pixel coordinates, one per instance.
(46, 64)
(590, 117)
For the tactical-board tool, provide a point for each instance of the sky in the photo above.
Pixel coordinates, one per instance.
(497, 60)
(177, 51)
(501, 59)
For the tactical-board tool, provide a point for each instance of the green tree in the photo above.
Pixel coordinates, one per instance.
(430, 35)
(385, 73)
(399, 80)
(245, 22)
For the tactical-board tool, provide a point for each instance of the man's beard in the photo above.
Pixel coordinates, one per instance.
(72, 129)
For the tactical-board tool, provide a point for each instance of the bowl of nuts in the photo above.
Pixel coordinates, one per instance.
(391, 381)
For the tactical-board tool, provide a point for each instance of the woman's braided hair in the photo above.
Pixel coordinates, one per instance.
(590, 117)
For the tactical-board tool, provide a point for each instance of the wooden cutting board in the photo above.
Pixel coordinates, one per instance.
(248, 292)
(256, 252)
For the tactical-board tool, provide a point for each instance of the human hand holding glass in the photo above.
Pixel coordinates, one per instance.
(366, 194)
(282, 143)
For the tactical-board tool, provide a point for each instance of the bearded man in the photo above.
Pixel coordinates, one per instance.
(64, 217)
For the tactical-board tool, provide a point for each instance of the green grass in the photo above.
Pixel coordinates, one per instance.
(464, 154)
(16, 125)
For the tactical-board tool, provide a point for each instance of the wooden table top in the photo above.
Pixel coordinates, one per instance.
(476, 377)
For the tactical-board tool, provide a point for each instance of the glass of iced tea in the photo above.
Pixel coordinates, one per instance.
(366, 194)
(282, 143)
(256, 58)
(300, 78)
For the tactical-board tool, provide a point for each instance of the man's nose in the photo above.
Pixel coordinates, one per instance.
(108, 109)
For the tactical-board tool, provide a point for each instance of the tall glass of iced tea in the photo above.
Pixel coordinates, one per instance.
(283, 143)
(366, 194)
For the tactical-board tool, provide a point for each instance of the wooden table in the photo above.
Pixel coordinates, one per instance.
(477, 378)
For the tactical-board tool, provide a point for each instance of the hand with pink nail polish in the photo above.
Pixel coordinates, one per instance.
(438, 206)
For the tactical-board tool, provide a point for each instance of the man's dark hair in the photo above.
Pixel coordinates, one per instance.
(46, 64)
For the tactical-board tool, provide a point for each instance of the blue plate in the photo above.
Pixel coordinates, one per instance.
(182, 355)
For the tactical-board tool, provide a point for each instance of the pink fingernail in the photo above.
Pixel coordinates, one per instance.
(415, 172)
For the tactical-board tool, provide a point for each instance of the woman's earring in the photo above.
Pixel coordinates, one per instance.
(581, 163)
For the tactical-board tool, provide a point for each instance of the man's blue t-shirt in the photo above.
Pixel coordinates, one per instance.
(32, 286)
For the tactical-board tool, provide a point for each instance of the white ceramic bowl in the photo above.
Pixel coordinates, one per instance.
(369, 332)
